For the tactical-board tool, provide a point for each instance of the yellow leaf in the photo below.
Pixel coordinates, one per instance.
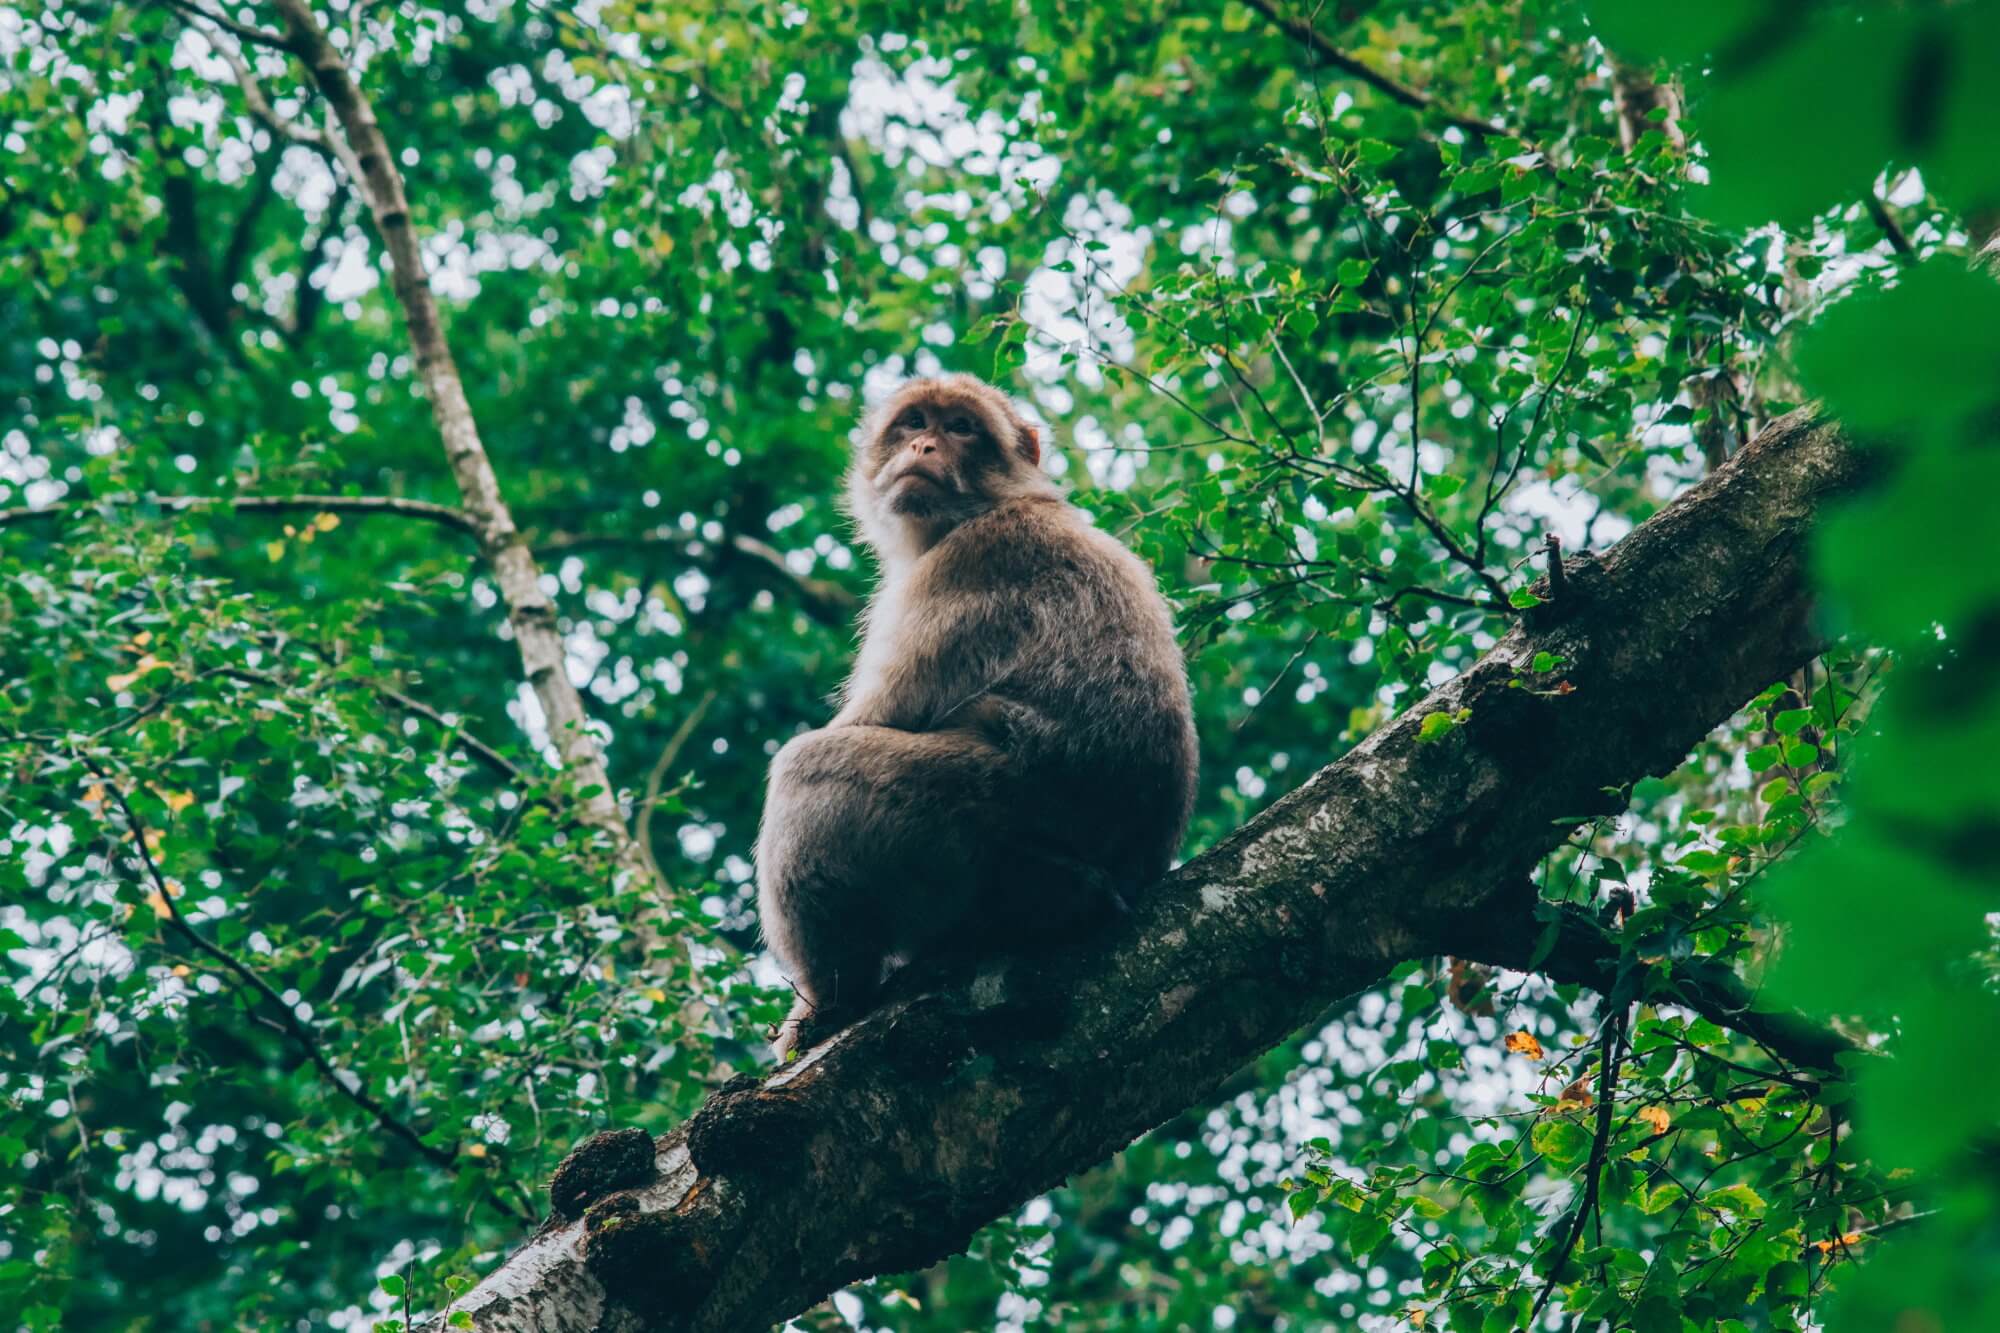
(476, 1150)
(291, 531)
(183, 970)
(326, 522)
(275, 550)
(655, 994)
(1657, 1117)
(125, 680)
(610, 972)
(142, 638)
(1575, 1097)
(1524, 1043)
(158, 904)
(94, 794)
(177, 801)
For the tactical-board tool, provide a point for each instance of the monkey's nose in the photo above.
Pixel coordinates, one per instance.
(924, 446)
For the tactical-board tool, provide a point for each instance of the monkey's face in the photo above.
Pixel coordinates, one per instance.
(931, 457)
(938, 453)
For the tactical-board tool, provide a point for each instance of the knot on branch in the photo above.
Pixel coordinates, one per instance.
(745, 1128)
(653, 1263)
(602, 1165)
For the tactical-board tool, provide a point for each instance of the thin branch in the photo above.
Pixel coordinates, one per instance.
(255, 36)
(1899, 240)
(824, 600)
(1613, 1055)
(260, 105)
(271, 504)
(1304, 33)
(670, 754)
(1585, 953)
(822, 596)
(308, 1041)
(478, 749)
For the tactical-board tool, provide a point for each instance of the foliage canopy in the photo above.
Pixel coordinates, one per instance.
(314, 970)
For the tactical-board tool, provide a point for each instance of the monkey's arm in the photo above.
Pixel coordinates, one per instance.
(935, 670)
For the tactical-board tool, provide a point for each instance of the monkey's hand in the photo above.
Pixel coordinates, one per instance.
(996, 719)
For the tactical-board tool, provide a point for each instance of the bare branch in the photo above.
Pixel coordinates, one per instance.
(670, 754)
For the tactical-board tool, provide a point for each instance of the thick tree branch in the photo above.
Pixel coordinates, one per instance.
(1588, 955)
(530, 612)
(888, 1144)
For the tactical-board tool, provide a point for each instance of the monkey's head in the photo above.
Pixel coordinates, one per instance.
(936, 453)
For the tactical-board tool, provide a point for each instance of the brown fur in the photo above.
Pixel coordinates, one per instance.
(1015, 743)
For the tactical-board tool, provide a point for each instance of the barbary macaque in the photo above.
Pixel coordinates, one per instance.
(1015, 750)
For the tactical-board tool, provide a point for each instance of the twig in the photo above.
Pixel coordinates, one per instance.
(1899, 240)
(260, 106)
(1552, 546)
(1283, 671)
(825, 600)
(1304, 32)
(1495, 495)
(255, 36)
(288, 1017)
(669, 755)
(479, 749)
(1612, 1057)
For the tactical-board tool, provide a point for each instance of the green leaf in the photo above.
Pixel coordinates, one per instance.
(1561, 1140)
(1763, 757)
(1791, 720)
(1522, 599)
(1739, 1199)
(1435, 727)
(392, 1283)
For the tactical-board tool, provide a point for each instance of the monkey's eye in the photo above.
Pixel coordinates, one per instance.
(912, 419)
(959, 425)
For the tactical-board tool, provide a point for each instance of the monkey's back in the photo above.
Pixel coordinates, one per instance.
(1099, 727)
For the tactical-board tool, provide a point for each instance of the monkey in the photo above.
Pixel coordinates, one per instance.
(1014, 750)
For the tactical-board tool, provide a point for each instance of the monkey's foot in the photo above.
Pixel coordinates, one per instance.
(802, 1027)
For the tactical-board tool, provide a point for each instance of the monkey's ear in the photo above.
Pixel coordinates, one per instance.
(1031, 443)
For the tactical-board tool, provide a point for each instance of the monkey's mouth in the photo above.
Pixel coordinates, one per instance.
(925, 479)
